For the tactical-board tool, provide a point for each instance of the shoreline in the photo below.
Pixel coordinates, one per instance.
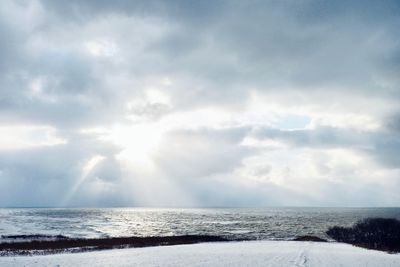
(62, 244)
(36, 244)
(31, 245)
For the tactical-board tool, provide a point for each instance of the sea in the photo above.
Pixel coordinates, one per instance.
(232, 223)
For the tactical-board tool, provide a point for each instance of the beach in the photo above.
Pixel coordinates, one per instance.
(246, 253)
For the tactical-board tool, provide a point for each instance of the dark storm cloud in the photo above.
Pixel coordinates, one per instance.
(288, 39)
(218, 47)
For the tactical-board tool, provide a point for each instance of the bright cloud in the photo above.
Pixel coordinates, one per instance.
(15, 137)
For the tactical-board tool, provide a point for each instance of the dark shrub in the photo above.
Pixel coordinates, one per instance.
(374, 233)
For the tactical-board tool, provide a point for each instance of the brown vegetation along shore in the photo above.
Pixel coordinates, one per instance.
(78, 245)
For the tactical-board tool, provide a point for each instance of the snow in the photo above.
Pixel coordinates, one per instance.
(250, 253)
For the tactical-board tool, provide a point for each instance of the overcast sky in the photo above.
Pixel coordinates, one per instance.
(199, 103)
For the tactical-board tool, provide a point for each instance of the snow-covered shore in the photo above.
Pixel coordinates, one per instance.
(250, 253)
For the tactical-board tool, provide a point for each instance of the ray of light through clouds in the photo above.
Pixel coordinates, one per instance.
(199, 103)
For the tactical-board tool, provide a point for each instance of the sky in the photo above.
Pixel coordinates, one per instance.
(199, 103)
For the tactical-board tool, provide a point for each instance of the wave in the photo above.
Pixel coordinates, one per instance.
(19, 238)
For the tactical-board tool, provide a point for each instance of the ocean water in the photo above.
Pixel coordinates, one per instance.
(233, 223)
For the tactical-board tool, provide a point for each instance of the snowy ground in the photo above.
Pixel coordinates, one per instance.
(254, 253)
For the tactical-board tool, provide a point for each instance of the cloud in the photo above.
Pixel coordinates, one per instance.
(213, 102)
(381, 145)
(43, 175)
(201, 153)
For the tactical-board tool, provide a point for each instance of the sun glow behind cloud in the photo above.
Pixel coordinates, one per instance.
(138, 143)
